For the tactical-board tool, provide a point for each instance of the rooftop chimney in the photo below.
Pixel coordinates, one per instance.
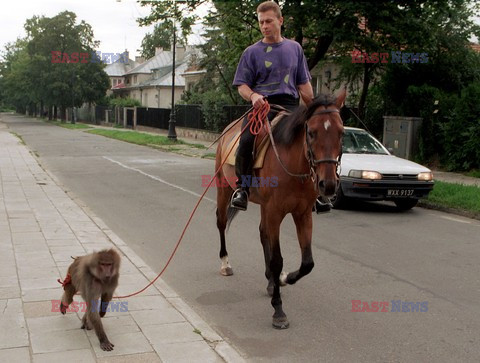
(139, 60)
(158, 50)
(179, 52)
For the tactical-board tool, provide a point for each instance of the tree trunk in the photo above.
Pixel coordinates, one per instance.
(320, 49)
(55, 112)
(363, 97)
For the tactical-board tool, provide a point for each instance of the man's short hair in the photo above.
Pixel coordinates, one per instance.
(269, 5)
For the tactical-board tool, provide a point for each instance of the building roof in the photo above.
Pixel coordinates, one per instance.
(166, 78)
(159, 67)
(118, 69)
(160, 60)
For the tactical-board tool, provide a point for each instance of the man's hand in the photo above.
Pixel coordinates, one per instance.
(257, 100)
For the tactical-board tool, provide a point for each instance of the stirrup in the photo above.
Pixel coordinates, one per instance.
(237, 194)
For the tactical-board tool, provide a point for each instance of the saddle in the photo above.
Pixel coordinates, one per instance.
(262, 142)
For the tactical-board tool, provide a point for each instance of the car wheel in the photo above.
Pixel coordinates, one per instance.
(406, 203)
(339, 200)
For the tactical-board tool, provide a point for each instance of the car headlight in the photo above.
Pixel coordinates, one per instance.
(365, 174)
(425, 176)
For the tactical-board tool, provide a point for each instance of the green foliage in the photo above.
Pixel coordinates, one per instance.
(211, 103)
(460, 133)
(162, 36)
(30, 76)
(124, 102)
(474, 173)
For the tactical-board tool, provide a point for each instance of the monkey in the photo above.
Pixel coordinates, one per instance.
(95, 276)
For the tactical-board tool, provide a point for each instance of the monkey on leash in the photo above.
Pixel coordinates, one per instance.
(95, 276)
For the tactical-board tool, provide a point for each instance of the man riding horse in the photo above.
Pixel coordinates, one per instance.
(274, 68)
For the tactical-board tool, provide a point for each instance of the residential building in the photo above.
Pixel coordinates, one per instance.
(151, 82)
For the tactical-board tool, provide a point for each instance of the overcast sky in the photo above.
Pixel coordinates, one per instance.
(114, 23)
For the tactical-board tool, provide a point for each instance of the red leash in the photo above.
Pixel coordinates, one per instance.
(256, 120)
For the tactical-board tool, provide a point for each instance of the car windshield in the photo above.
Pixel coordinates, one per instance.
(361, 142)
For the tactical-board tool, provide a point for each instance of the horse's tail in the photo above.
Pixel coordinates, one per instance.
(231, 213)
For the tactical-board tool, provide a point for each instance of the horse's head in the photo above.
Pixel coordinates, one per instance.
(323, 141)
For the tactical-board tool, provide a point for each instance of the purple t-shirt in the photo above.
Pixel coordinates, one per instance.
(273, 69)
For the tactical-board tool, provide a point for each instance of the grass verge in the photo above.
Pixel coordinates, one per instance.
(141, 138)
(474, 173)
(457, 196)
(69, 125)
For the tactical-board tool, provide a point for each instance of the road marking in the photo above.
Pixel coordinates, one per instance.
(156, 178)
(456, 219)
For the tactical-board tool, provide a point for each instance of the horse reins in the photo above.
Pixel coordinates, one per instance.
(310, 154)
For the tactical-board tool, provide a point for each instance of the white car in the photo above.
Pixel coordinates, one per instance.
(369, 172)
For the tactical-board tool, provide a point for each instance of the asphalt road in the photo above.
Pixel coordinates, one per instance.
(370, 253)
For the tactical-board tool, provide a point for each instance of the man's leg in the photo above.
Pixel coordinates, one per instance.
(243, 169)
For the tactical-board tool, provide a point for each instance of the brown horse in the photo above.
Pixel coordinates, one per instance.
(308, 144)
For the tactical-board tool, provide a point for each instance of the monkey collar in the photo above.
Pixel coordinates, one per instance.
(67, 281)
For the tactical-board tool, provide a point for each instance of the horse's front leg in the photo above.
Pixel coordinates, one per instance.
(266, 251)
(303, 222)
(223, 198)
(279, 320)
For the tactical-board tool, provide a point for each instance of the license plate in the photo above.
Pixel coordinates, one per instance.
(399, 192)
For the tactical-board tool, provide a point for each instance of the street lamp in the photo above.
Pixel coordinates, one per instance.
(171, 123)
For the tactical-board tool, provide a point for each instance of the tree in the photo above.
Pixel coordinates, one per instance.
(162, 36)
(33, 79)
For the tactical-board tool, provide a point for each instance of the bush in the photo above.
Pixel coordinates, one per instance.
(124, 102)
(460, 133)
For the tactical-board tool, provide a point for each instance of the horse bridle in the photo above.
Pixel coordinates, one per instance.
(310, 154)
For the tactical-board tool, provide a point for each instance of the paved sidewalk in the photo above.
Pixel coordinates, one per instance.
(455, 178)
(40, 228)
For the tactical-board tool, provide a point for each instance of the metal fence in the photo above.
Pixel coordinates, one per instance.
(190, 116)
(153, 117)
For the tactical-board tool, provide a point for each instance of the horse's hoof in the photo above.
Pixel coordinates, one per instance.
(280, 323)
(227, 271)
(283, 278)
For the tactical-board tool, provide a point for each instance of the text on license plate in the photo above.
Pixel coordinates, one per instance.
(399, 192)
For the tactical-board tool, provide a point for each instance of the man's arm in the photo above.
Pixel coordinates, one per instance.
(306, 92)
(248, 95)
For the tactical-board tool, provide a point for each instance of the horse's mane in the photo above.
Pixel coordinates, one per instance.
(290, 126)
